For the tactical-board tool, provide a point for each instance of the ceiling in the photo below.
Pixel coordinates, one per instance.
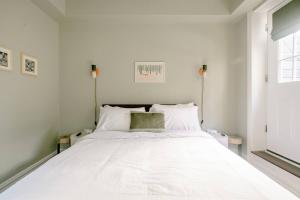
(148, 10)
(151, 7)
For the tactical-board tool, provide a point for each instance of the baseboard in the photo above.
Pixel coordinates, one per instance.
(279, 162)
(284, 178)
(18, 176)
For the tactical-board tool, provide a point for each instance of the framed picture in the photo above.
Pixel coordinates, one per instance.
(150, 72)
(29, 65)
(5, 59)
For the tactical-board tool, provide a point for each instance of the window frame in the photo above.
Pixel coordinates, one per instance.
(293, 58)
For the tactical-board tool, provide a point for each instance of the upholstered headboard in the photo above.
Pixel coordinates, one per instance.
(147, 106)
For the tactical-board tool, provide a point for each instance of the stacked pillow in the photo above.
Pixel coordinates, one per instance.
(157, 106)
(179, 117)
(116, 118)
(183, 117)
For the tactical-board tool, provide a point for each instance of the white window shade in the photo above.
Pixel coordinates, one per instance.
(286, 20)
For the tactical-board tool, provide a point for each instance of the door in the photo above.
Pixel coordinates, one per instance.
(283, 116)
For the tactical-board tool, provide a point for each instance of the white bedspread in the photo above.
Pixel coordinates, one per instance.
(152, 166)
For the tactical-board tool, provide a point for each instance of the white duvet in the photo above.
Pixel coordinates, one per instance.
(152, 166)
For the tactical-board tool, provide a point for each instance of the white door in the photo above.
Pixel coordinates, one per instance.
(283, 117)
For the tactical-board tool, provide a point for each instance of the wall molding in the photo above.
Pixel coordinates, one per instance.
(6, 184)
(270, 5)
(50, 9)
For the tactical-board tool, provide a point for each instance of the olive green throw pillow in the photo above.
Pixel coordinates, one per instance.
(151, 122)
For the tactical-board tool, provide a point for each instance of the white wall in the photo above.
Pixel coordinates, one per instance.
(238, 80)
(115, 48)
(257, 91)
(29, 106)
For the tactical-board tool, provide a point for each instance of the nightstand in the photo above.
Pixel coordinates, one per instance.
(64, 142)
(236, 141)
(75, 137)
(220, 137)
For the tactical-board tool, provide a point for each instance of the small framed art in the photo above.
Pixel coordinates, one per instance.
(150, 72)
(29, 65)
(5, 59)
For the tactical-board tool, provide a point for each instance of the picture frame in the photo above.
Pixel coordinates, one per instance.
(5, 59)
(150, 72)
(29, 65)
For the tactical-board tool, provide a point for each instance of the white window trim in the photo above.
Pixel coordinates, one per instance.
(293, 57)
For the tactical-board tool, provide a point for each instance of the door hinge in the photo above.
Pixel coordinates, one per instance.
(266, 78)
(266, 28)
(266, 128)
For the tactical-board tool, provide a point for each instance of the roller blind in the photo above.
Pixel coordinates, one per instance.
(286, 20)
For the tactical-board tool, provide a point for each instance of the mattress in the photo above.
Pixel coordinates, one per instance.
(113, 165)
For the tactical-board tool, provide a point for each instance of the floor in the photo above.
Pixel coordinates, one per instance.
(279, 162)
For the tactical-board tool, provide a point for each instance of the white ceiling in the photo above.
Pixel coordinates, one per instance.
(158, 11)
(151, 7)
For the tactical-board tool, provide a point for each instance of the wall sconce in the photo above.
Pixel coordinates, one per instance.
(202, 73)
(95, 74)
(95, 71)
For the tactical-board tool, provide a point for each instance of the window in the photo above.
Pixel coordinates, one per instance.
(289, 58)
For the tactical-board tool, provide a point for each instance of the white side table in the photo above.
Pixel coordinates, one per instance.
(220, 137)
(63, 143)
(75, 137)
(234, 139)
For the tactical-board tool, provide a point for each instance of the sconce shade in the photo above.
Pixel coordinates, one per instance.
(94, 74)
(97, 71)
(202, 71)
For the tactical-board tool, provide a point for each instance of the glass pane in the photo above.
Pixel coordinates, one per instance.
(286, 70)
(297, 68)
(286, 47)
(297, 43)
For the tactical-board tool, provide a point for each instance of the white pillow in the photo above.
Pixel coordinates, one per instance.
(157, 106)
(116, 118)
(180, 118)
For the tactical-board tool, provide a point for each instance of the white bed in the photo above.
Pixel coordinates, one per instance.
(113, 165)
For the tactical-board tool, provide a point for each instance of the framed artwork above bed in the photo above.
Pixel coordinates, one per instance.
(150, 72)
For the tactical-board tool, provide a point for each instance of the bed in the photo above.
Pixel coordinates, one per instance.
(171, 165)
